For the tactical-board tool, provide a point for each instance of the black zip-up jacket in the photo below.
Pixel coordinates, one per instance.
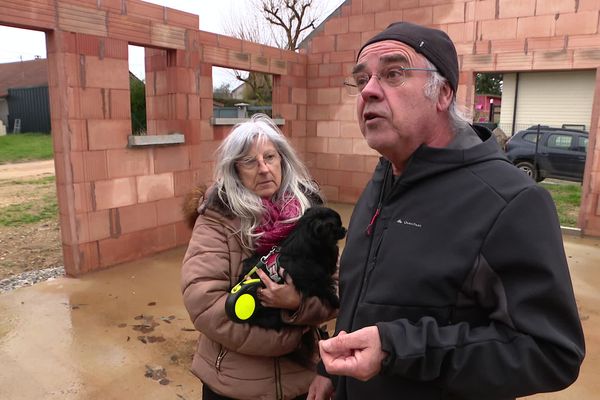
(465, 276)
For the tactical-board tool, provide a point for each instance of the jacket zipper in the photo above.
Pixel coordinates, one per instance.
(371, 227)
(220, 356)
(278, 388)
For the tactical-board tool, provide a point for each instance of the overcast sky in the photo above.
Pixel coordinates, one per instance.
(19, 44)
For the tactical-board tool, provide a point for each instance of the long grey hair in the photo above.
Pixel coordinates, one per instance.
(295, 179)
(458, 115)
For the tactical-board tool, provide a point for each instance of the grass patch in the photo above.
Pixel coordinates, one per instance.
(41, 181)
(25, 147)
(42, 209)
(567, 198)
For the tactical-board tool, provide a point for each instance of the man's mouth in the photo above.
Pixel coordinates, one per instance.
(368, 116)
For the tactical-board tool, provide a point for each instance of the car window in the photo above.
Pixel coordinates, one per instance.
(583, 144)
(560, 141)
(530, 137)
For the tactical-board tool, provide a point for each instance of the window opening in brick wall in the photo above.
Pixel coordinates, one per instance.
(240, 94)
(488, 99)
(137, 90)
(24, 99)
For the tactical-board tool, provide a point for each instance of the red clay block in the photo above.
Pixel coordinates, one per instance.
(108, 73)
(328, 96)
(536, 26)
(341, 146)
(128, 162)
(181, 18)
(169, 210)
(485, 9)
(172, 158)
(581, 23)
(82, 197)
(516, 8)
(115, 193)
(328, 129)
(108, 134)
(75, 166)
(120, 104)
(95, 166)
(154, 187)
(422, 15)
(137, 217)
(348, 41)
(92, 103)
(99, 225)
(498, 29)
(361, 23)
(449, 13)
(383, 19)
(145, 10)
(375, 6)
(322, 44)
(336, 25)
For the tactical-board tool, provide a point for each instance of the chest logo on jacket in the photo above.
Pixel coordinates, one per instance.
(410, 223)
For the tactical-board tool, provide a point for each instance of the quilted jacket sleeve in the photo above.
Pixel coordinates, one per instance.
(213, 253)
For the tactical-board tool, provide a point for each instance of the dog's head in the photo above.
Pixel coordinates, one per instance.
(324, 224)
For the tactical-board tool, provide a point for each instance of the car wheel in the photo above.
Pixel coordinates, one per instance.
(529, 170)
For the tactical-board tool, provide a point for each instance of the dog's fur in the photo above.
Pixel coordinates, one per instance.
(309, 255)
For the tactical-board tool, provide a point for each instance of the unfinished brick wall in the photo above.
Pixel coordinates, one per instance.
(119, 203)
(490, 35)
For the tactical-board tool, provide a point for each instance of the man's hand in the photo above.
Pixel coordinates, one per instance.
(278, 296)
(321, 388)
(357, 354)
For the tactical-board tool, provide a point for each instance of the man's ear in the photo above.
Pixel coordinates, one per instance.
(445, 97)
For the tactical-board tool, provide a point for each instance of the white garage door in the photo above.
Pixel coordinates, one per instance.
(548, 98)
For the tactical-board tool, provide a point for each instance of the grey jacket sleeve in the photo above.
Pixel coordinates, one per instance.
(533, 341)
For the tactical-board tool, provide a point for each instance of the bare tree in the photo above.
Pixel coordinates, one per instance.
(279, 23)
(290, 20)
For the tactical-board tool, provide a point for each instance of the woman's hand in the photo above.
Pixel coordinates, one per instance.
(275, 295)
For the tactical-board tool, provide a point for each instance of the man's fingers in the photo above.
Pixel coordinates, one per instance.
(343, 343)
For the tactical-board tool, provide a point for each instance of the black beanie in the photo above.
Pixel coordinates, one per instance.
(434, 44)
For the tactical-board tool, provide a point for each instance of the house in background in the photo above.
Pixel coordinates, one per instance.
(24, 95)
(487, 108)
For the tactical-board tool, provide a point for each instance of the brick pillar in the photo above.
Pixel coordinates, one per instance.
(90, 110)
(589, 212)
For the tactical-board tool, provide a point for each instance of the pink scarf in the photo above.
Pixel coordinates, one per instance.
(272, 227)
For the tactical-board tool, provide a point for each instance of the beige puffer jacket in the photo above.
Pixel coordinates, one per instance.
(239, 360)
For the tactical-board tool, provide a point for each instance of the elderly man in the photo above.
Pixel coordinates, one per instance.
(453, 282)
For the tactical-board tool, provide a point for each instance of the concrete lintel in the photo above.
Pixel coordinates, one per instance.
(233, 121)
(155, 140)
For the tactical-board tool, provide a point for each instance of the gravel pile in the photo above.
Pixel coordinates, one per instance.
(29, 278)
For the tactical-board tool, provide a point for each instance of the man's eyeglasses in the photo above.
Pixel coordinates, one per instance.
(252, 163)
(391, 77)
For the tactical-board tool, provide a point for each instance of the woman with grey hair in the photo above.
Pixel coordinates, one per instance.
(260, 190)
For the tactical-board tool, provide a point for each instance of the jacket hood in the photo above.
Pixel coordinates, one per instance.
(199, 200)
(428, 161)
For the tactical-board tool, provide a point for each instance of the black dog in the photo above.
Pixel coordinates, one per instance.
(309, 255)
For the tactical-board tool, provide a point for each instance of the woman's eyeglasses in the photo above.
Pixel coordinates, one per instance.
(391, 77)
(252, 163)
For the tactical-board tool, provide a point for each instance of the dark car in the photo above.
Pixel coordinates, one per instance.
(560, 153)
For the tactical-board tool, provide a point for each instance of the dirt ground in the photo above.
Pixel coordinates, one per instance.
(32, 246)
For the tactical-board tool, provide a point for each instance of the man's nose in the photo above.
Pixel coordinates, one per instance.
(373, 89)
